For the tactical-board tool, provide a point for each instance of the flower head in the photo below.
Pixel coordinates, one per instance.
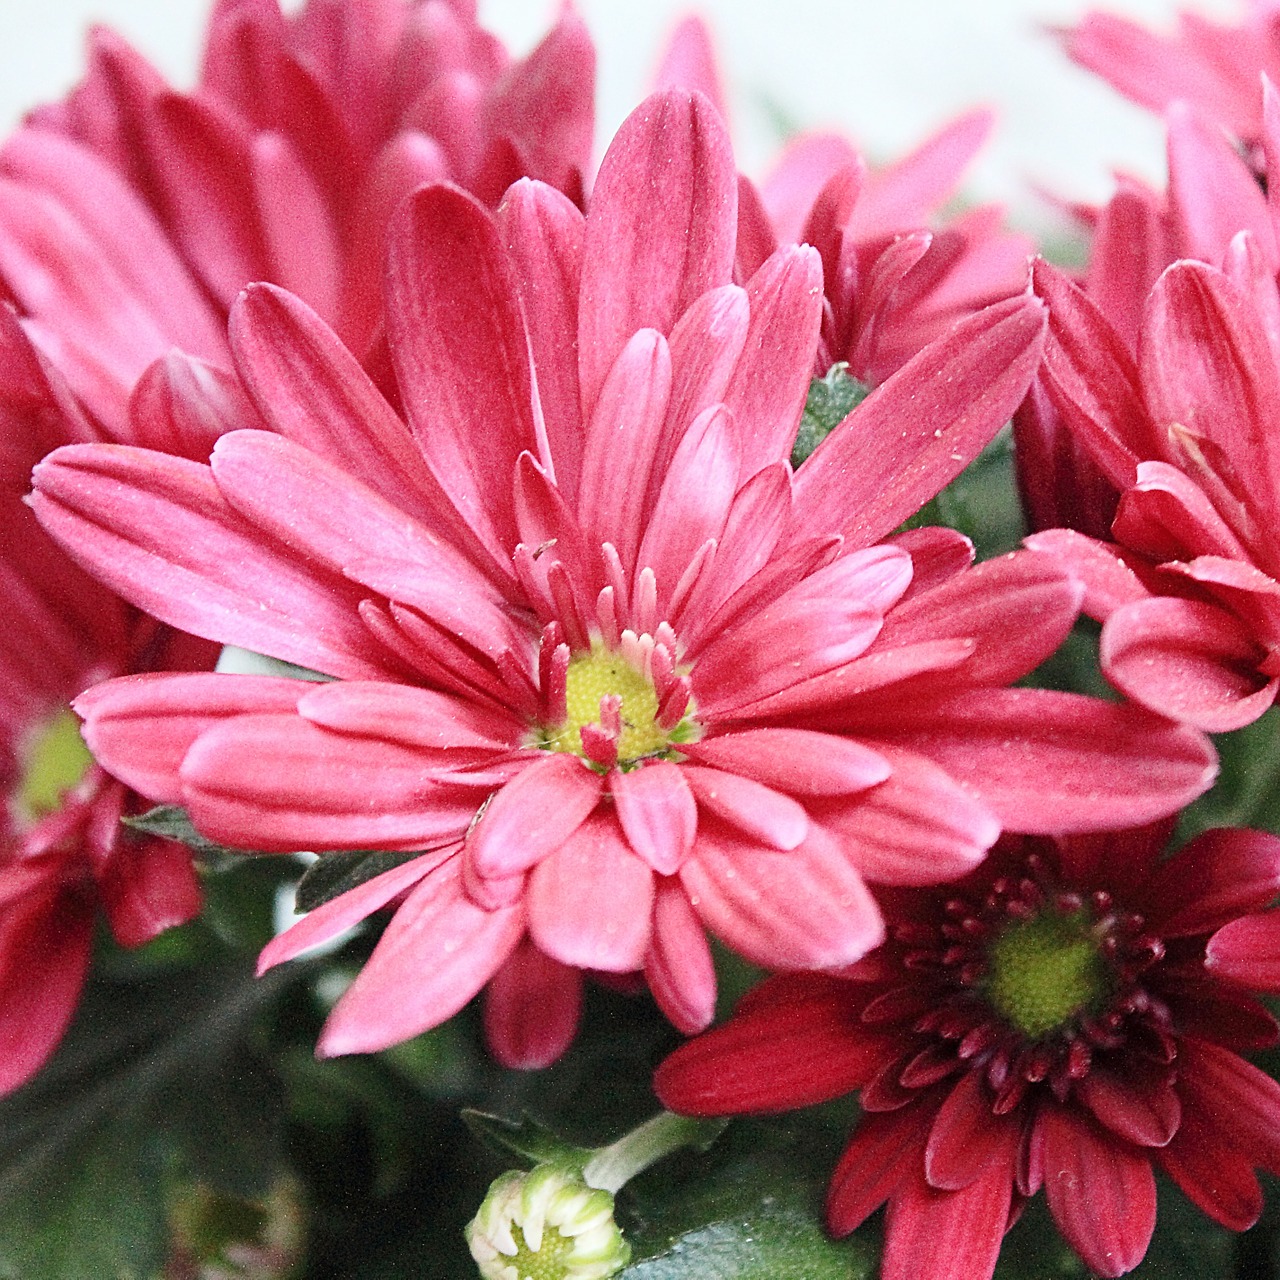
(896, 272)
(547, 1224)
(1047, 1022)
(1214, 65)
(132, 215)
(602, 662)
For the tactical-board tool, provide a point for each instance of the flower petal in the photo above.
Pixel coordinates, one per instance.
(591, 900)
(1212, 880)
(1101, 1192)
(533, 815)
(1188, 660)
(531, 1009)
(436, 953)
(805, 909)
(797, 761)
(790, 1054)
(679, 967)
(671, 155)
(657, 813)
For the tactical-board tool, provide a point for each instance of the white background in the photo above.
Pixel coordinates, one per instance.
(885, 71)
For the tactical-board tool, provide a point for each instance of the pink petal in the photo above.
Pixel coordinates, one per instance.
(140, 727)
(1167, 516)
(689, 62)
(1206, 366)
(693, 503)
(339, 914)
(768, 388)
(797, 761)
(806, 909)
(543, 232)
(591, 901)
(679, 968)
(916, 432)
(657, 813)
(1057, 763)
(908, 192)
(147, 886)
(1108, 581)
(407, 715)
(217, 576)
(793, 1054)
(1102, 1193)
(311, 389)
(624, 434)
(1091, 378)
(671, 155)
(461, 354)
(182, 405)
(773, 819)
(1211, 190)
(436, 953)
(1188, 660)
(531, 1009)
(533, 815)
(279, 783)
(1242, 1101)
(918, 827)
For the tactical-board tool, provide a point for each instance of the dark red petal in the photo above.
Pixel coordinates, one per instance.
(1101, 1191)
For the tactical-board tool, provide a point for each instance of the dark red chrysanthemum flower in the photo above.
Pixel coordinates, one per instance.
(1047, 1022)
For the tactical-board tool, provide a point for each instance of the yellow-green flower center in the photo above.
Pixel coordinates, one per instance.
(1046, 970)
(604, 673)
(551, 1262)
(56, 760)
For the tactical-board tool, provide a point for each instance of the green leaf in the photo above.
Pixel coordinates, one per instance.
(172, 822)
(1247, 792)
(751, 1211)
(527, 1138)
(831, 399)
(333, 874)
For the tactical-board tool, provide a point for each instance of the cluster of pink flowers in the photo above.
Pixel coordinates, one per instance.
(349, 358)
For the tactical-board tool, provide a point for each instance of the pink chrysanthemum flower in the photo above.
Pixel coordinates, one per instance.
(1213, 196)
(132, 215)
(1047, 1022)
(613, 671)
(1183, 431)
(894, 279)
(1214, 65)
(63, 850)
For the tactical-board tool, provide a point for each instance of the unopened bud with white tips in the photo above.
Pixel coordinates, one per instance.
(547, 1224)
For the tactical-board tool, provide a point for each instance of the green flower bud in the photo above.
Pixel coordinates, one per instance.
(547, 1224)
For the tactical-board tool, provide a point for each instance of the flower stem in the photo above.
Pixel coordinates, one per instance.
(612, 1167)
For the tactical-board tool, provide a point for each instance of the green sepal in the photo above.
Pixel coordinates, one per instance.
(336, 873)
(526, 1138)
(173, 823)
(831, 399)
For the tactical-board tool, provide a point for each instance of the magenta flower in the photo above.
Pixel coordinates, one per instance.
(63, 850)
(131, 215)
(613, 672)
(894, 279)
(1214, 65)
(1048, 1022)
